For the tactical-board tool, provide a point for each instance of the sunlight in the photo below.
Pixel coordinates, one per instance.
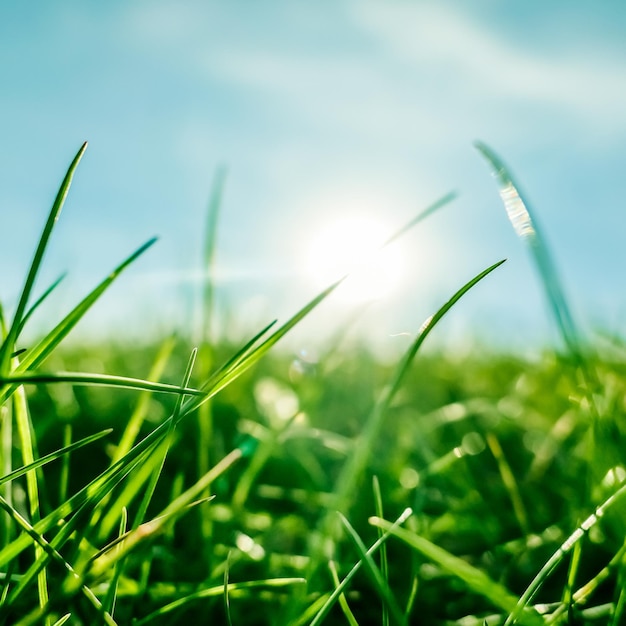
(353, 246)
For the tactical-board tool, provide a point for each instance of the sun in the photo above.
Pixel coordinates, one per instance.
(354, 246)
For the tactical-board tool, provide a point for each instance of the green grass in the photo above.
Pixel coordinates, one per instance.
(176, 489)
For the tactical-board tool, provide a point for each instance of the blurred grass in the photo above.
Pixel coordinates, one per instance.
(432, 456)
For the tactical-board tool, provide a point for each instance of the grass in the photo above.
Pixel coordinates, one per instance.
(205, 482)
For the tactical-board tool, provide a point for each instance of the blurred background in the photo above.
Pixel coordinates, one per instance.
(337, 123)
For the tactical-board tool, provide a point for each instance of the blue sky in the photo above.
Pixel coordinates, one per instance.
(318, 110)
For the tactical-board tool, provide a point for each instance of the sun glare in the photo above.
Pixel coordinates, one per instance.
(353, 246)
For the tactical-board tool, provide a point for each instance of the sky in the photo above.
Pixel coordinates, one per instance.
(321, 112)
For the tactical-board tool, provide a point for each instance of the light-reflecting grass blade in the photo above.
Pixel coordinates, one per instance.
(527, 228)
(562, 552)
(7, 346)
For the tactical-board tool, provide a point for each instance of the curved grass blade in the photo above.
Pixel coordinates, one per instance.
(8, 345)
(346, 485)
(99, 380)
(527, 228)
(474, 578)
(354, 467)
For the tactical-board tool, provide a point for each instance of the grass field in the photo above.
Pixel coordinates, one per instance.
(242, 485)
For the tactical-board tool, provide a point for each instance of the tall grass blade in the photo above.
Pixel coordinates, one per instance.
(99, 380)
(205, 365)
(27, 446)
(33, 358)
(8, 345)
(149, 492)
(353, 469)
(527, 228)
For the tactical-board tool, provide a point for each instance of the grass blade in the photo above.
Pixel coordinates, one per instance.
(354, 467)
(99, 380)
(343, 602)
(131, 432)
(375, 574)
(474, 578)
(205, 362)
(40, 301)
(7, 478)
(527, 228)
(565, 548)
(8, 345)
(322, 613)
(384, 566)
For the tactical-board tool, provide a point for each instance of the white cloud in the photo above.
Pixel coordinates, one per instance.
(493, 66)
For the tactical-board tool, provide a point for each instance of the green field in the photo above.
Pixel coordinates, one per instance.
(238, 484)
